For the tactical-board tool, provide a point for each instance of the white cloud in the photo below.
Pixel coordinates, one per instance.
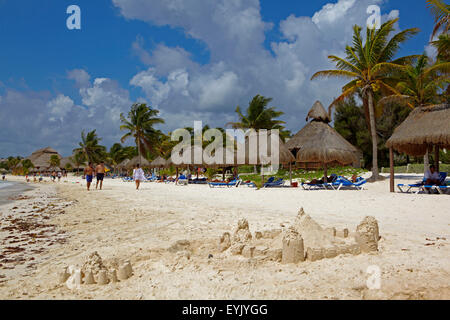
(81, 77)
(59, 107)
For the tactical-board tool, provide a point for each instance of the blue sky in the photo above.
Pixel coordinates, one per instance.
(196, 62)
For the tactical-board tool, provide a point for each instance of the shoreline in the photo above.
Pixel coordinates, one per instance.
(147, 227)
(6, 193)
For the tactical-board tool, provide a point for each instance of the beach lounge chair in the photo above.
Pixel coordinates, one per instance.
(320, 186)
(344, 183)
(421, 187)
(233, 183)
(274, 184)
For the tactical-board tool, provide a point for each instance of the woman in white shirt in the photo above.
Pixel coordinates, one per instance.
(138, 175)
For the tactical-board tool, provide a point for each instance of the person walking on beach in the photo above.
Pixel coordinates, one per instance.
(89, 172)
(100, 171)
(138, 175)
(59, 176)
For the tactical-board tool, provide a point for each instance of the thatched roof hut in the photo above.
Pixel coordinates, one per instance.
(160, 162)
(138, 160)
(123, 164)
(317, 142)
(41, 158)
(424, 127)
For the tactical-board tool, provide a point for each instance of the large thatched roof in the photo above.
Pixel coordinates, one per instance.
(318, 142)
(41, 158)
(423, 128)
(142, 161)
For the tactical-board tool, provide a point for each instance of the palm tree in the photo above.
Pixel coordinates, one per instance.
(139, 125)
(418, 85)
(441, 12)
(54, 161)
(90, 147)
(368, 65)
(259, 116)
(26, 165)
(13, 163)
(78, 159)
(116, 154)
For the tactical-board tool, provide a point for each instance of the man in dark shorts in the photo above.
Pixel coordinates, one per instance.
(100, 171)
(89, 172)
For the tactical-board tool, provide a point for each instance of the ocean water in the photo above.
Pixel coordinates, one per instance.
(9, 189)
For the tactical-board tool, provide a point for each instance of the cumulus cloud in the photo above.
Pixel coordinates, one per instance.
(80, 76)
(33, 119)
(241, 65)
(59, 107)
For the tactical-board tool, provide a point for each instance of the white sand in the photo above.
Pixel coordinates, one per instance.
(140, 226)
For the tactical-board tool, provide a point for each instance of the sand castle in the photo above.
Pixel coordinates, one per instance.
(304, 240)
(94, 271)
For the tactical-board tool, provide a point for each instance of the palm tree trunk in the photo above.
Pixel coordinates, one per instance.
(373, 133)
(138, 144)
(426, 162)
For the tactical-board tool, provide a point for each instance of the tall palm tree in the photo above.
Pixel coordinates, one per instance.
(78, 159)
(139, 125)
(90, 147)
(259, 116)
(419, 85)
(368, 65)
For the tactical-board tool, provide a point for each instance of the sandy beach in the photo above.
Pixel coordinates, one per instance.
(120, 223)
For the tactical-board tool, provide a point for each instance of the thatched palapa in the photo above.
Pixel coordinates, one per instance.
(424, 127)
(41, 158)
(318, 142)
(138, 160)
(160, 162)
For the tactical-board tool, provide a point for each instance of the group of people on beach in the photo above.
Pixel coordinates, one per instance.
(99, 172)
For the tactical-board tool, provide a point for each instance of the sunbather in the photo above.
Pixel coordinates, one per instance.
(432, 177)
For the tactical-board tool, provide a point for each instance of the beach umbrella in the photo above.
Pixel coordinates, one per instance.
(319, 143)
